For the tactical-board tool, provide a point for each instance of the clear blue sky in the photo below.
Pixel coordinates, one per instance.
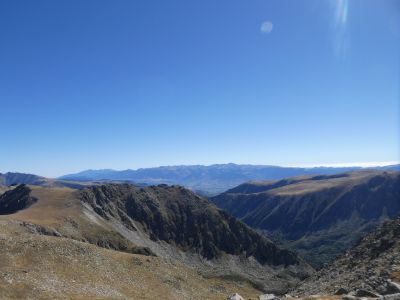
(127, 84)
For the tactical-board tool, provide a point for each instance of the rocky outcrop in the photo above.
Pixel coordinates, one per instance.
(235, 296)
(16, 199)
(370, 269)
(177, 216)
(268, 297)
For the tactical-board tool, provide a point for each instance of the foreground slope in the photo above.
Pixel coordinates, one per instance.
(372, 265)
(34, 266)
(170, 223)
(319, 216)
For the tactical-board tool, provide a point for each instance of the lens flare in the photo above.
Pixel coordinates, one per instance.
(342, 10)
(341, 35)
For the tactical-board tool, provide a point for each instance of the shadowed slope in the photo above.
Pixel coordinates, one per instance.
(176, 215)
(320, 216)
(16, 199)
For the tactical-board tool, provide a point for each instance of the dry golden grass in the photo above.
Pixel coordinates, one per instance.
(42, 267)
(396, 276)
(3, 189)
(59, 210)
(53, 206)
(34, 266)
(310, 186)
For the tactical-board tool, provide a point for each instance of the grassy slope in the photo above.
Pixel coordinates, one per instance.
(64, 267)
(48, 267)
(55, 206)
(3, 189)
(43, 267)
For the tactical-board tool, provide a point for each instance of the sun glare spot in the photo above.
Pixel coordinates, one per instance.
(341, 35)
(342, 10)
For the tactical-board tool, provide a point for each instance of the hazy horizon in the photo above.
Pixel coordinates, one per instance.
(335, 165)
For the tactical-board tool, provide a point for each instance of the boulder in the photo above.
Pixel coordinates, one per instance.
(388, 288)
(393, 287)
(341, 291)
(268, 297)
(235, 296)
(392, 297)
(365, 293)
(349, 297)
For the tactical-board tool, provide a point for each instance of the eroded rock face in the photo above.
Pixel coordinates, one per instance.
(177, 216)
(16, 199)
(372, 267)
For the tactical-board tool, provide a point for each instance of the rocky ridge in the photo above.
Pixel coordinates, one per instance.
(176, 215)
(16, 199)
(370, 269)
(12, 178)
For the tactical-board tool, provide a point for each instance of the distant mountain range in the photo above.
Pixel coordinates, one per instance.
(318, 216)
(208, 180)
(21, 178)
(11, 178)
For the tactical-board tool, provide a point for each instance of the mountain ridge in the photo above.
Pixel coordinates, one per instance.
(371, 265)
(11, 178)
(212, 179)
(156, 211)
(320, 216)
(169, 222)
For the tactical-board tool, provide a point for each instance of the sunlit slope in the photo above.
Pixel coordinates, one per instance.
(42, 267)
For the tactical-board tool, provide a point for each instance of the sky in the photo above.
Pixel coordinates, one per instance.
(128, 84)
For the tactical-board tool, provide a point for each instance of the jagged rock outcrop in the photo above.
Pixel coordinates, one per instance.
(16, 199)
(319, 216)
(372, 267)
(177, 216)
(268, 297)
(235, 296)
